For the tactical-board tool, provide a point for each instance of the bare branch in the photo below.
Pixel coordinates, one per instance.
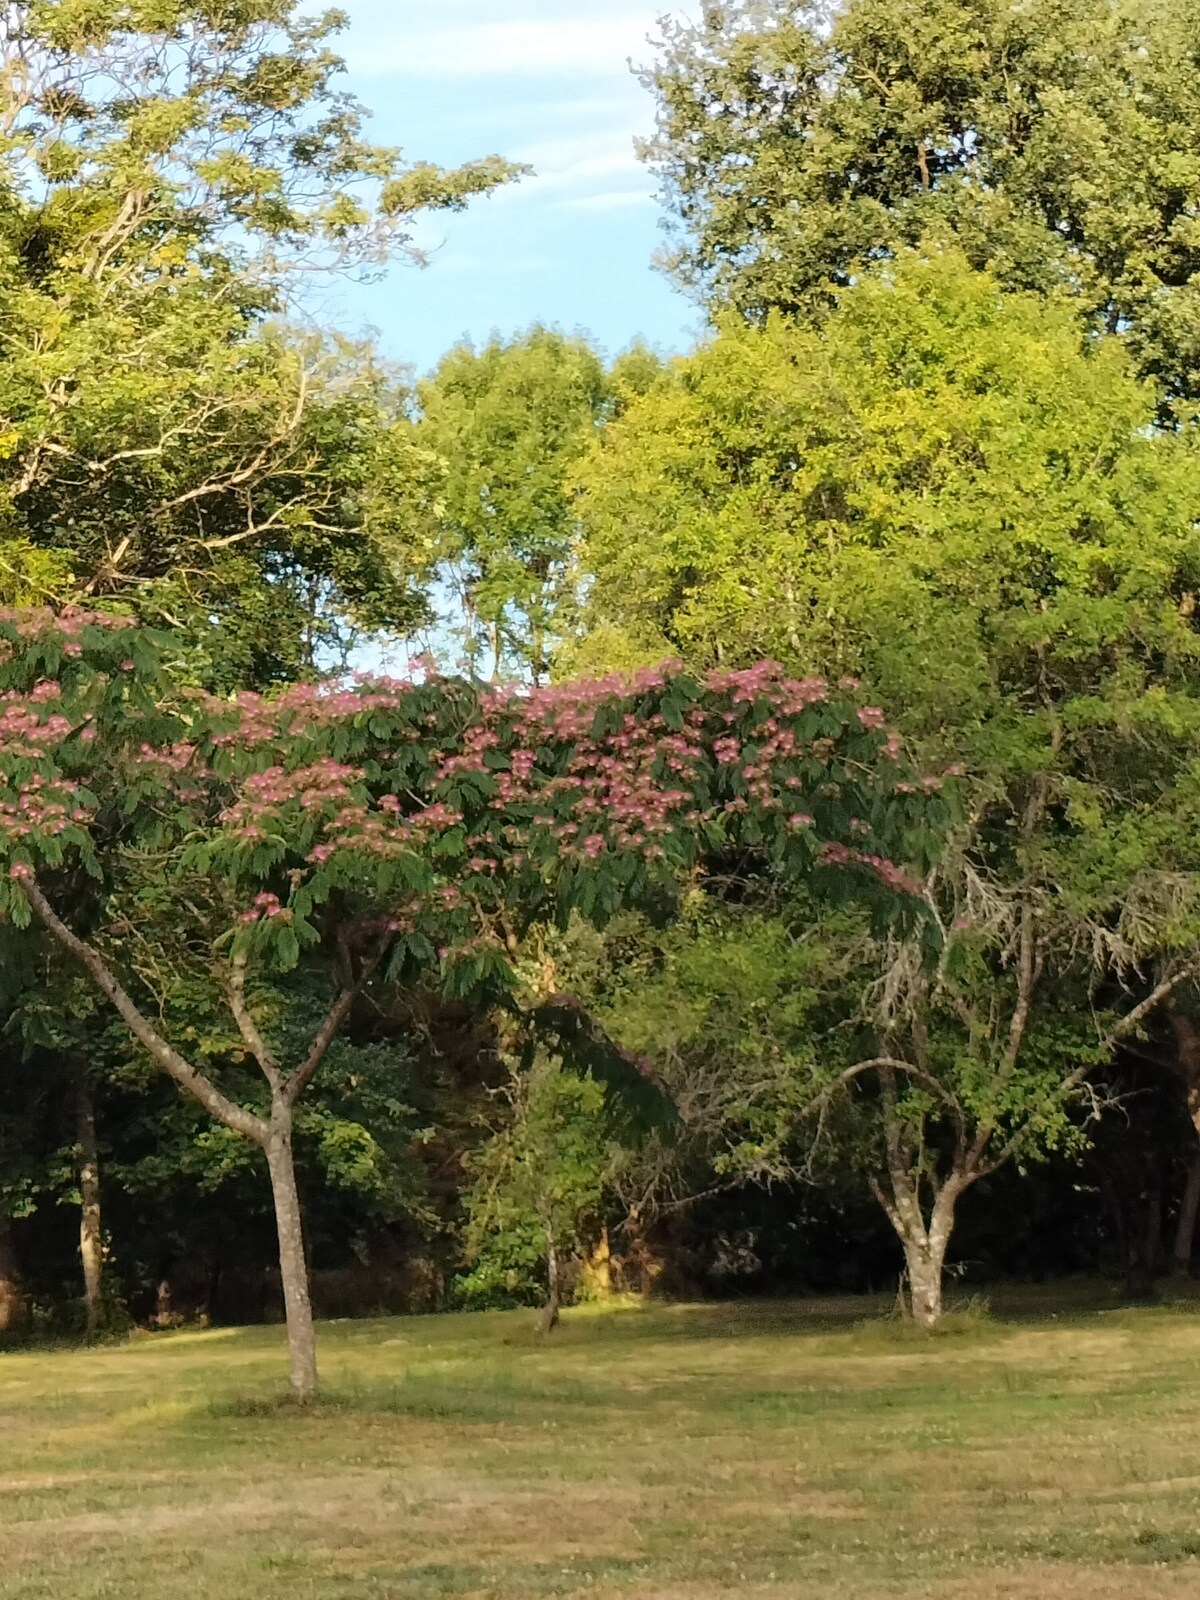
(201, 1088)
(896, 1064)
(1133, 1019)
(295, 1086)
(235, 993)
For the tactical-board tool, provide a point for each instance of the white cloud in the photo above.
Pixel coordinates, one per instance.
(607, 200)
(467, 40)
(546, 82)
(567, 163)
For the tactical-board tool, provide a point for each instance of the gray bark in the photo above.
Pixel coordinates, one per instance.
(293, 1263)
(924, 1284)
(925, 1258)
(549, 1318)
(924, 1242)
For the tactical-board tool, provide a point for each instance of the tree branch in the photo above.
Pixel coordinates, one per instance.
(295, 1086)
(896, 1064)
(202, 1089)
(1133, 1020)
(235, 994)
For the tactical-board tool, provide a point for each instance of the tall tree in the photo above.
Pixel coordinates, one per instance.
(945, 491)
(1058, 140)
(170, 174)
(409, 830)
(504, 426)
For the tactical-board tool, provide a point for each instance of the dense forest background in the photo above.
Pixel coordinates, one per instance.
(941, 444)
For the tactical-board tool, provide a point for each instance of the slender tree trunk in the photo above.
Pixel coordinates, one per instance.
(12, 1295)
(273, 1135)
(212, 1298)
(91, 1242)
(1145, 1245)
(549, 1318)
(1185, 1227)
(293, 1264)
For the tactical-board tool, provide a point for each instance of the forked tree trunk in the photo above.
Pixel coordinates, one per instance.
(925, 1243)
(293, 1263)
(91, 1241)
(12, 1294)
(1185, 1227)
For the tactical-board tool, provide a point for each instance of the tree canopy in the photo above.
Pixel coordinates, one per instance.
(1057, 141)
(944, 488)
(414, 830)
(170, 175)
(798, 803)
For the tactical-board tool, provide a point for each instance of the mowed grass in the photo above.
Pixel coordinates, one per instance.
(674, 1453)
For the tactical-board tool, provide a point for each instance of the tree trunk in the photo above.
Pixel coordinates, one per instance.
(925, 1245)
(926, 1267)
(549, 1318)
(1185, 1228)
(91, 1242)
(293, 1265)
(212, 1297)
(1145, 1246)
(597, 1269)
(12, 1295)
(1187, 1054)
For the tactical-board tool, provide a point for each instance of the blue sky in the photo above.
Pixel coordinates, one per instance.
(545, 82)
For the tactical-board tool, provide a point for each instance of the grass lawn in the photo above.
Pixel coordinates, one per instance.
(674, 1453)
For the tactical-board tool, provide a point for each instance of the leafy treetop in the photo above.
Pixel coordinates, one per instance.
(432, 819)
(171, 173)
(1058, 140)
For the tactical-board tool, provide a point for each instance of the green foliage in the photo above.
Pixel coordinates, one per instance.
(538, 1182)
(505, 424)
(942, 492)
(240, 869)
(933, 490)
(739, 1007)
(636, 1101)
(954, 493)
(166, 170)
(1058, 142)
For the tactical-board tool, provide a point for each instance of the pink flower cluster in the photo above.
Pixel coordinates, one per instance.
(550, 782)
(40, 808)
(469, 796)
(265, 905)
(835, 854)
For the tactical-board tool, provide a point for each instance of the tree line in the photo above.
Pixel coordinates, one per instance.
(555, 964)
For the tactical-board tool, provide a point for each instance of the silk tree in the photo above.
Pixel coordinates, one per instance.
(399, 833)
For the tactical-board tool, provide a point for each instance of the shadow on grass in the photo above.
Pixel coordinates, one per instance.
(489, 1397)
